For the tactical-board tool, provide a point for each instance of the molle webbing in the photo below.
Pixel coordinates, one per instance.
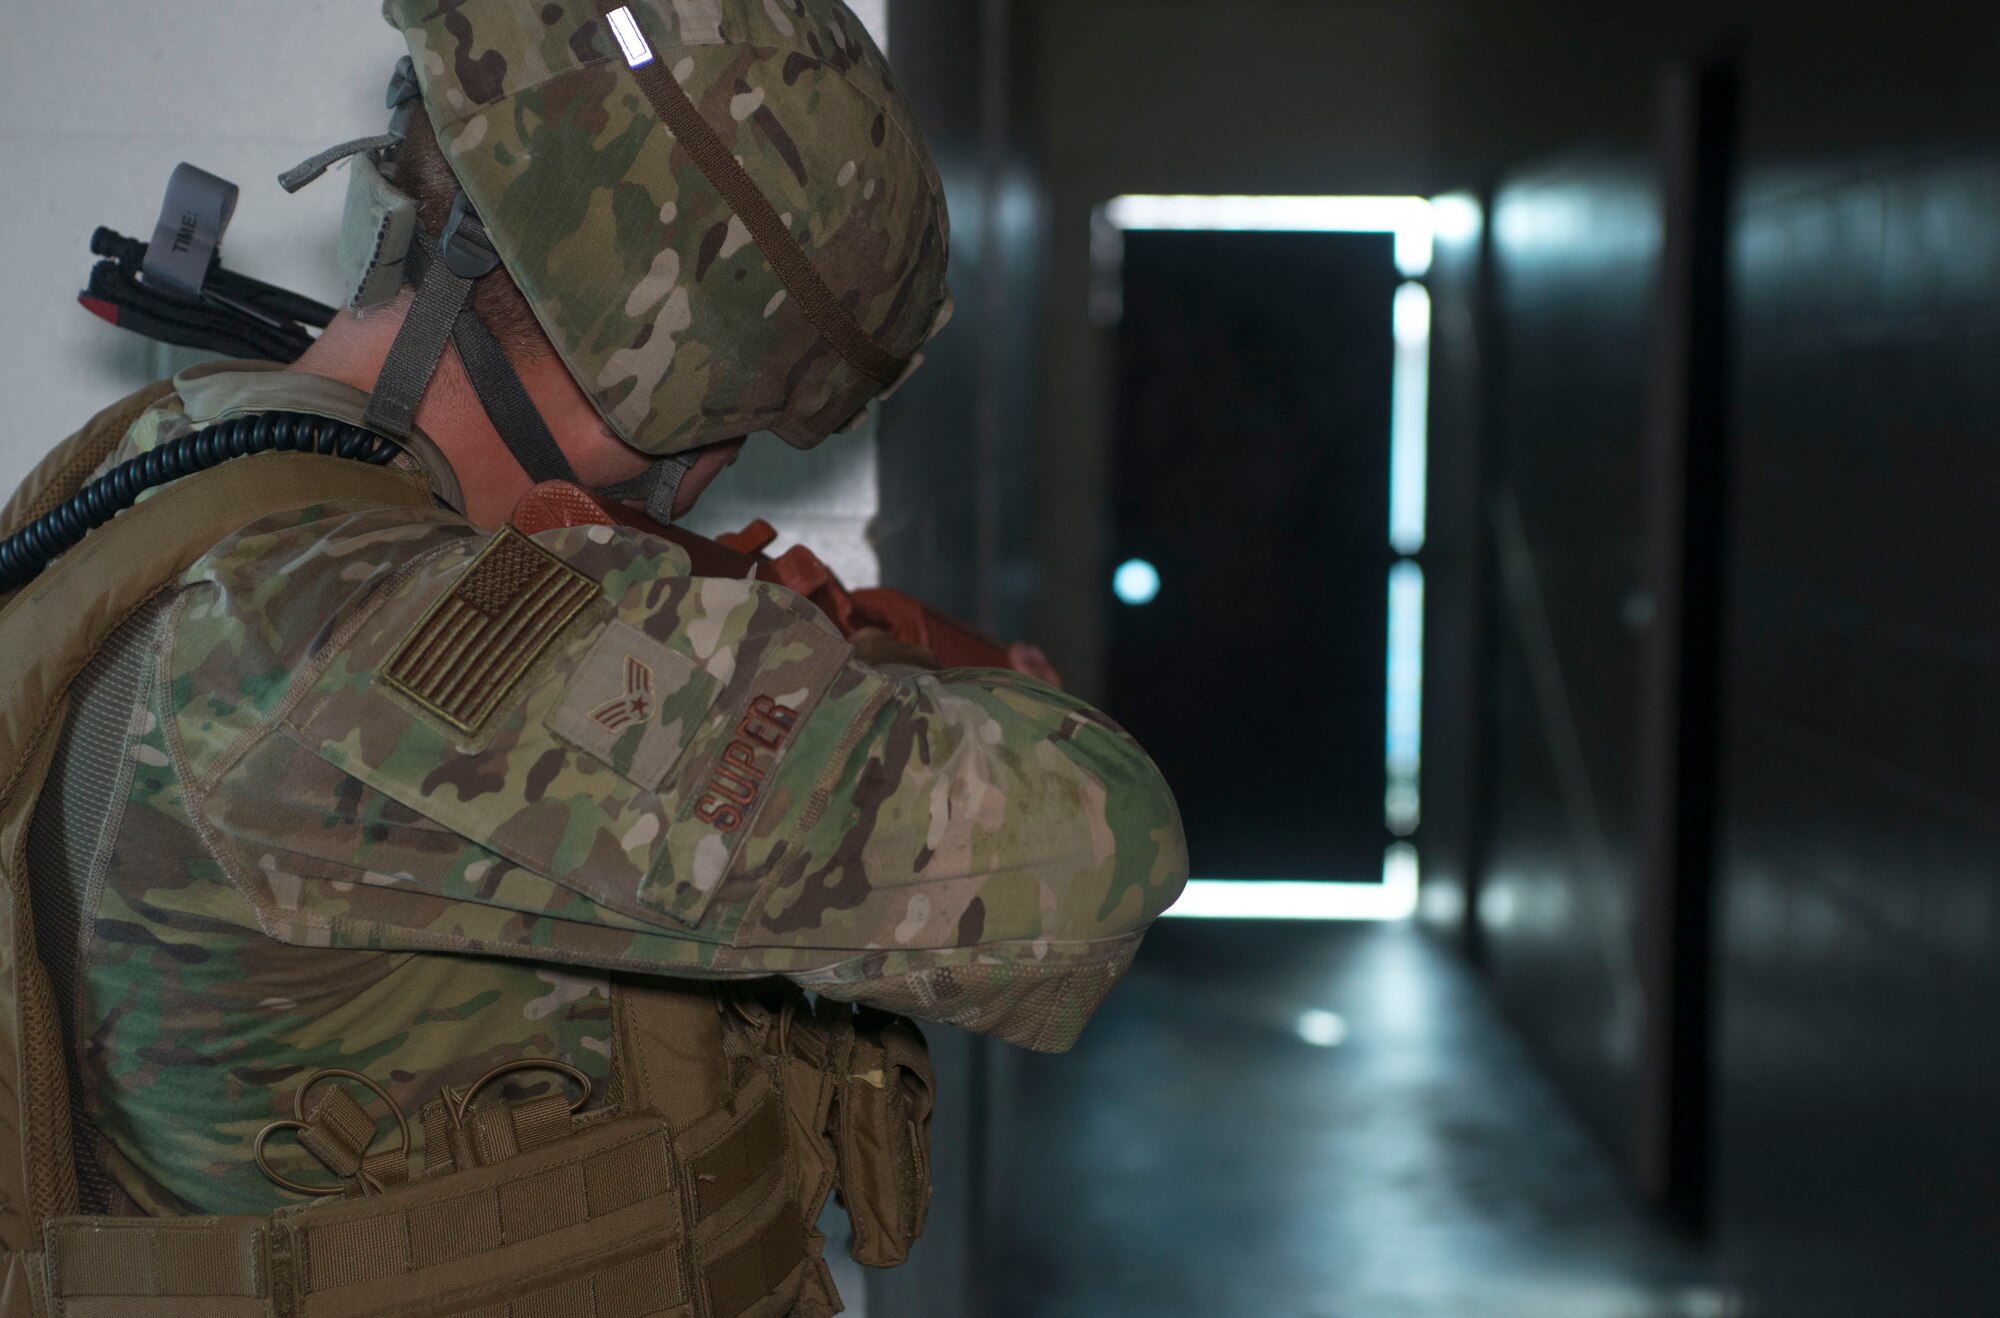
(727, 176)
(102, 1267)
(604, 1205)
(492, 1133)
(622, 1219)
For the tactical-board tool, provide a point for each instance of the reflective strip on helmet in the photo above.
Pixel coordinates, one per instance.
(630, 39)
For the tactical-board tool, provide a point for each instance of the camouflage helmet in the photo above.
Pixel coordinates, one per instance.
(721, 211)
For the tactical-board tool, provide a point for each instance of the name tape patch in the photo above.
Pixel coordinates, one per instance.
(736, 778)
(795, 666)
(729, 774)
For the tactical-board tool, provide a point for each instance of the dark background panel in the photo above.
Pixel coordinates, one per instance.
(1859, 782)
(957, 515)
(1458, 576)
(1251, 467)
(1858, 789)
(1172, 96)
(1862, 840)
(1576, 252)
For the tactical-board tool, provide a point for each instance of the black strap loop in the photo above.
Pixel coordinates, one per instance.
(505, 399)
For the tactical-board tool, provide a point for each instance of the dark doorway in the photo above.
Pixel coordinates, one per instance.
(1252, 471)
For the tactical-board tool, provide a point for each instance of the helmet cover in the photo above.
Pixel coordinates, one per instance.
(666, 308)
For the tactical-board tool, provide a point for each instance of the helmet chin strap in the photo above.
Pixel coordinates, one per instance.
(444, 273)
(659, 485)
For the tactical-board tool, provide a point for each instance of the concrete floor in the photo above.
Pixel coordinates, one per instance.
(1197, 1156)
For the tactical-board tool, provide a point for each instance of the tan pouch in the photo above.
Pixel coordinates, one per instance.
(887, 1093)
(814, 1056)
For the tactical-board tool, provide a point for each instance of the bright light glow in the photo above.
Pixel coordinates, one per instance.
(1457, 218)
(1416, 248)
(1412, 319)
(1404, 751)
(1410, 421)
(1499, 904)
(1704, 1303)
(1107, 270)
(1443, 903)
(1136, 582)
(1408, 218)
(626, 28)
(1391, 901)
(1322, 1029)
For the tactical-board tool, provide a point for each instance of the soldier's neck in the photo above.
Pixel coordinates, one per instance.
(353, 349)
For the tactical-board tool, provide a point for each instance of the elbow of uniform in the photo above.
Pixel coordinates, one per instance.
(1169, 861)
(1133, 850)
(1118, 861)
(1174, 866)
(1108, 911)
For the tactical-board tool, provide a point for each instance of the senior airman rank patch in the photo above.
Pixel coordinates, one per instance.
(634, 704)
(474, 644)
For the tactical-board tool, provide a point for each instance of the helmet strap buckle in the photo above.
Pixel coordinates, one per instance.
(467, 251)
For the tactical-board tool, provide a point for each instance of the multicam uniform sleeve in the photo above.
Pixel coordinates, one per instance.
(570, 749)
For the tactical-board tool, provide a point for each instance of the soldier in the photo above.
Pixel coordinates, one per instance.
(469, 878)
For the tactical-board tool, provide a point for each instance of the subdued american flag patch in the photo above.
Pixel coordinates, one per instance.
(473, 645)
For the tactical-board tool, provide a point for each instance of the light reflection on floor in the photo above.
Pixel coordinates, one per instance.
(1285, 1121)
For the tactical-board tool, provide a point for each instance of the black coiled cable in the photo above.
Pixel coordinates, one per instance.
(25, 554)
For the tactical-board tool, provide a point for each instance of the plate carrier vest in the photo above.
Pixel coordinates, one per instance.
(692, 1193)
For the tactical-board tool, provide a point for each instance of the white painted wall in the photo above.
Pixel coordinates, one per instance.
(99, 100)
(875, 13)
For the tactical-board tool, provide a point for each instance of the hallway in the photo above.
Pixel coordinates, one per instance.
(1197, 1157)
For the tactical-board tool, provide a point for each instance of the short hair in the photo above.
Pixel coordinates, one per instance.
(422, 172)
